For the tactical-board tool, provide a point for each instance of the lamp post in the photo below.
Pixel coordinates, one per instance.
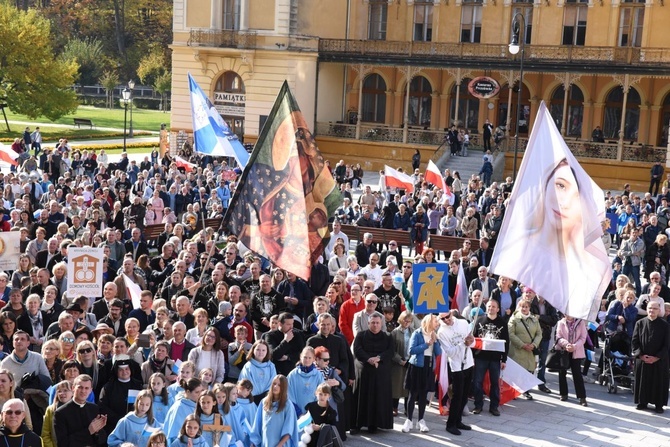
(131, 86)
(125, 99)
(518, 43)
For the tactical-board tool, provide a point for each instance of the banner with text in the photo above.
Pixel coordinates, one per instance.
(84, 271)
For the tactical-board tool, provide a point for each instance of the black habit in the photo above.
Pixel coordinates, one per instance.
(651, 337)
(373, 399)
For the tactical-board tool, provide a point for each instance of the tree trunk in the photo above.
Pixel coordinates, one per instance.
(120, 26)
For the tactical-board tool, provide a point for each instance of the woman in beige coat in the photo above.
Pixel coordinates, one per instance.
(400, 336)
(525, 335)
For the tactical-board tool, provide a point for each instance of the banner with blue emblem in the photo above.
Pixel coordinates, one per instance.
(431, 288)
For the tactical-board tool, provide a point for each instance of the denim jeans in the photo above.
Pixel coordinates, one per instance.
(493, 367)
(634, 271)
(541, 367)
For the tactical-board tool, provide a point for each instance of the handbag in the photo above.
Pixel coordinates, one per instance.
(536, 350)
(558, 359)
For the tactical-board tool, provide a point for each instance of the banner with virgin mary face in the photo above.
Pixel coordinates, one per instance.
(550, 239)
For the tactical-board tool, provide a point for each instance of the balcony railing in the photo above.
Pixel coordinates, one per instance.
(222, 38)
(582, 149)
(448, 51)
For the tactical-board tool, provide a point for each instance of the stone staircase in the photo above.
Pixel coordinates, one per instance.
(466, 166)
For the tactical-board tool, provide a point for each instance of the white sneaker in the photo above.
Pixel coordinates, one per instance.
(407, 426)
(423, 427)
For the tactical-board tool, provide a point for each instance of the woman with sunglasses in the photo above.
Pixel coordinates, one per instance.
(66, 341)
(87, 359)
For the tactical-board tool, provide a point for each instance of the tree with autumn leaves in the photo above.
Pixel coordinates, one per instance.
(32, 81)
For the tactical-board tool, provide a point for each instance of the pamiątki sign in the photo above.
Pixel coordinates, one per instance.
(483, 87)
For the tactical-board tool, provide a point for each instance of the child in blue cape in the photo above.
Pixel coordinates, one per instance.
(186, 371)
(259, 369)
(276, 422)
(182, 408)
(205, 411)
(136, 427)
(162, 401)
(303, 381)
(190, 434)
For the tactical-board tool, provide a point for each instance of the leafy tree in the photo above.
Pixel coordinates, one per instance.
(109, 81)
(33, 82)
(90, 56)
(162, 85)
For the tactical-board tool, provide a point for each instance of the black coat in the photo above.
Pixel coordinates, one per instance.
(71, 425)
(114, 400)
(281, 348)
(142, 249)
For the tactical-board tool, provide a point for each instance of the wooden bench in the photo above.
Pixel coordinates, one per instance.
(83, 121)
(153, 231)
(450, 243)
(379, 235)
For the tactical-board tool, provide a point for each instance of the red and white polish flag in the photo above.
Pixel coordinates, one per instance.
(396, 179)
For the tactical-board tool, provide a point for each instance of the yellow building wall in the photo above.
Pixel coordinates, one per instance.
(323, 18)
(330, 92)
(198, 13)
(261, 14)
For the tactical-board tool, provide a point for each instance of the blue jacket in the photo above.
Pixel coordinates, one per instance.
(260, 374)
(302, 387)
(629, 314)
(417, 345)
(132, 428)
(270, 427)
(160, 409)
(175, 418)
(401, 222)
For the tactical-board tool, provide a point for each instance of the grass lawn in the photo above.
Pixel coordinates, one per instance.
(52, 134)
(142, 119)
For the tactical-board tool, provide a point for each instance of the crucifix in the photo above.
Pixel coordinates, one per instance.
(216, 429)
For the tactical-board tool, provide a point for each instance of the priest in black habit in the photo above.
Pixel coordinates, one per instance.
(373, 399)
(651, 341)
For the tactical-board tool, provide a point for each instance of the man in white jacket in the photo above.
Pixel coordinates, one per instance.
(455, 339)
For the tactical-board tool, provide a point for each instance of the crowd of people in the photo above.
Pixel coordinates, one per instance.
(223, 338)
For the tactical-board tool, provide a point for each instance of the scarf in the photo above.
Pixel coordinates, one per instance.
(307, 369)
(157, 366)
(46, 306)
(36, 322)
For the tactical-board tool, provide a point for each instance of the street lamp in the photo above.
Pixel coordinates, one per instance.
(125, 98)
(131, 86)
(518, 43)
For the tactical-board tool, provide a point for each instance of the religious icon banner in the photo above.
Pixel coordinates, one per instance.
(84, 271)
(10, 249)
(431, 288)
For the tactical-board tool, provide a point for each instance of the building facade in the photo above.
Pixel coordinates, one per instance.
(377, 79)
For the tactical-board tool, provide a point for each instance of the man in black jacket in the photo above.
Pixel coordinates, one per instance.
(490, 326)
(286, 344)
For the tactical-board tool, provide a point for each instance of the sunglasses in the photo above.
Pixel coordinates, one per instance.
(371, 301)
(15, 412)
(68, 340)
(326, 360)
(85, 350)
(447, 318)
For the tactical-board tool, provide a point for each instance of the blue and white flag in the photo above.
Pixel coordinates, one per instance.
(211, 134)
(132, 396)
(304, 421)
(176, 366)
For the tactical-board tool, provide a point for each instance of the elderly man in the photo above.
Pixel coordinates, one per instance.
(43, 281)
(349, 309)
(651, 342)
(116, 249)
(66, 322)
(362, 319)
(373, 399)
(14, 432)
(43, 257)
(364, 249)
(135, 246)
(79, 422)
(183, 315)
(128, 269)
(22, 360)
(483, 283)
(179, 346)
(109, 294)
(455, 339)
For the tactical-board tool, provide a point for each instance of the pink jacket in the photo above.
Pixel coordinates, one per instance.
(577, 337)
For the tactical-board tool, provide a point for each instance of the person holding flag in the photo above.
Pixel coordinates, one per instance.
(455, 340)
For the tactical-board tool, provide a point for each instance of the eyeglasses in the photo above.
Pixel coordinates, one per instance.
(371, 301)
(67, 340)
(446, 318)
(393, 245)
(85, 350)
(15, 412)
(326, 360)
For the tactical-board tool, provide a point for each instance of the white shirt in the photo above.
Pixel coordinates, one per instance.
(374, 274)
(452, 341)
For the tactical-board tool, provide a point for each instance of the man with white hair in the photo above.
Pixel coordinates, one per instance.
(14, 431)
